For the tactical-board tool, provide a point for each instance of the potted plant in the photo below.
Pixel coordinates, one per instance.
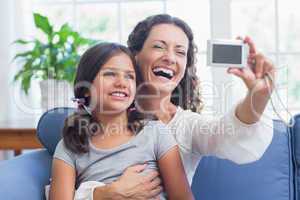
(52, 61)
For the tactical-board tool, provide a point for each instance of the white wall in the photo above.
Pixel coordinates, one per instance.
(6, 21)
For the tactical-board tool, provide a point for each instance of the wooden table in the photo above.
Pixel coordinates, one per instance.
(18, 134)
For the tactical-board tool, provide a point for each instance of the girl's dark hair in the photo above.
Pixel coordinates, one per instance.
(187, 93)
(82, 124)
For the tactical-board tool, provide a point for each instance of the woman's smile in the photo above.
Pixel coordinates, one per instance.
(163, 57)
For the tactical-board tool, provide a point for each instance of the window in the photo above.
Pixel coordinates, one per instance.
(275, 20)
(113, 20)
(273, 26)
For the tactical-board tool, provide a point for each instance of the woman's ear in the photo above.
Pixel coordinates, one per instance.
(136, 57)
(87, 94)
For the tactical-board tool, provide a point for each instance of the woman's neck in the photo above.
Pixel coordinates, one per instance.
(158, 104)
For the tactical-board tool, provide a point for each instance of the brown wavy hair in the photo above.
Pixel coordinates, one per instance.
(187, 93)
(80, 125)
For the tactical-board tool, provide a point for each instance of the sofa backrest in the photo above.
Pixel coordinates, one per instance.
(269, 178)
(275, 176)
(50, 126)
(295, 133)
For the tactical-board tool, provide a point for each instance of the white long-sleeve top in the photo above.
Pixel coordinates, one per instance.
(225, 137)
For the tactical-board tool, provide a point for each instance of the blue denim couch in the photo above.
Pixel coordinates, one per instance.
(274, 177)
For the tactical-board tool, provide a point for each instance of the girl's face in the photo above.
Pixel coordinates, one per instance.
(163, 57)
(115, 85)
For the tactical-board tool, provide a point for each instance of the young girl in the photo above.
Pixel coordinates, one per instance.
(107, 135)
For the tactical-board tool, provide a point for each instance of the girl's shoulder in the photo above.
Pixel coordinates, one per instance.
(155, 127)
(61, 148)
(63, 153)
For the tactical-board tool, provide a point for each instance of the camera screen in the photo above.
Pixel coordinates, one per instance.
(231, 54)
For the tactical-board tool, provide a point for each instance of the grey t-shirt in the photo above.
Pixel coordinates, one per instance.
(106, 165)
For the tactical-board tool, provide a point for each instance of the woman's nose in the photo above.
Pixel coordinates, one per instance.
(170, 57)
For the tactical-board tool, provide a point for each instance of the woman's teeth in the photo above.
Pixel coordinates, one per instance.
(167, 73)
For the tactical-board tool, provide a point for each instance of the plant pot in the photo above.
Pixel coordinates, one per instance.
(56, 93)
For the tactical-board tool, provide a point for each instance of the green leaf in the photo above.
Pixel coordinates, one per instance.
(24, 54)
(56, 58)
(20, 41)
(18, 75)
(42, 23)
(26, 81)
(64, 32)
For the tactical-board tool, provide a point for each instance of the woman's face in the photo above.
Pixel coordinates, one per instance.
(115, 85)
(163, 57)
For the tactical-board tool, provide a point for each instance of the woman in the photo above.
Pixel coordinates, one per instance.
(165, 52)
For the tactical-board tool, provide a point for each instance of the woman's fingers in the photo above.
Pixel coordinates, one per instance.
(155, 192)
(245, 74)
(155, 183)
(269, 70)
(236, 71)
(239, 38)
(154, 186)
(151, 175)
(137, 168)
(259, 66)
(252, 48)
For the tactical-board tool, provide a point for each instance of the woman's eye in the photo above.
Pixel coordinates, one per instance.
(181, 53)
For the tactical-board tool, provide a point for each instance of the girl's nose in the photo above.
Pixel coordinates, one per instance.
(121, 82)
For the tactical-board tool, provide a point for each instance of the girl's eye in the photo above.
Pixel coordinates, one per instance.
(130, 76)
(109, 74)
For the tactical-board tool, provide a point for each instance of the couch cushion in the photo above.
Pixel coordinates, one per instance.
(268, 178)
(25, 176)
(49, 129)
(295, 132)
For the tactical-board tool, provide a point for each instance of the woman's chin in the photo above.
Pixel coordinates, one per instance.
(162, 88)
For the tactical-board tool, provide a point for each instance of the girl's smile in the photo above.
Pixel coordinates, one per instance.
(115, 84)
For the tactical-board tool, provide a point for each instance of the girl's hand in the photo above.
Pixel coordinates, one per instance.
(136, 186)
(258, 67)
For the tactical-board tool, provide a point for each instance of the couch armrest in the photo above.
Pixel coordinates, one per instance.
(25, 176)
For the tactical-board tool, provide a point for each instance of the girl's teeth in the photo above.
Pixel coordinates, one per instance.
(118, 94)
